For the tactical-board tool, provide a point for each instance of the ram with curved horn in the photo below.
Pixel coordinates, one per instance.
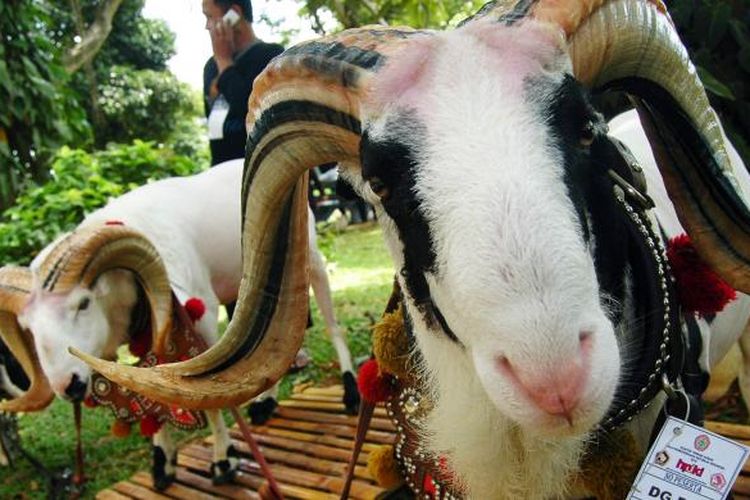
(21, 377)
(542, 310)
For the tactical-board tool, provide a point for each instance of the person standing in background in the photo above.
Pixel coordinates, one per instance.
(228, 75)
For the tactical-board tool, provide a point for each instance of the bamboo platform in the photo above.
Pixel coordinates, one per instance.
(307, 445)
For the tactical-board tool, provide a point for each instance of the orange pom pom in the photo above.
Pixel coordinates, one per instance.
(120, 428)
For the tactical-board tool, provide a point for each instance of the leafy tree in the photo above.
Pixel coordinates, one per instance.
(39, 112)
(125, 88)
(414, 13)
(81, 182)
(129, 99)
(718, 38)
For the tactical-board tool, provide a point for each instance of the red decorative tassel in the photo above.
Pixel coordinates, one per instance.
(140, 343)
(195, 308)
(375, 386)
(428, 486)
(90, 402)
(699, 288)
(149, 426)
(120, 428)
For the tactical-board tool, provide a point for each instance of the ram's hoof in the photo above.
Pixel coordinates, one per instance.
(224, 471)
(163, 481)
(260, 411)
(159, 475)
(351, 394)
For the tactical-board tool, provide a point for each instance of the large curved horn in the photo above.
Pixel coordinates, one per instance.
(304, 112)
(632, 45)
(15, 289)
(83, 255)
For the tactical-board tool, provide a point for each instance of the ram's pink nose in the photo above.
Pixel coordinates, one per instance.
(556, 391)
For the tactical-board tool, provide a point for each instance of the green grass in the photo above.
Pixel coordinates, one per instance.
(361, 276)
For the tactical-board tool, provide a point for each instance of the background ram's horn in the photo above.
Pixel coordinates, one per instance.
(304, 112)
(15, 286)
(82, 256)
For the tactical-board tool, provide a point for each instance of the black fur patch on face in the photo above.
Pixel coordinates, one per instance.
(579, 135)
(395, 166)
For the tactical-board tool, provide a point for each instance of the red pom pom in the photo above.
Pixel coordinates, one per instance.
(90, 402)
(120, 428)
(374, 385)
(195, 308)
(149, 426)
(699, 288)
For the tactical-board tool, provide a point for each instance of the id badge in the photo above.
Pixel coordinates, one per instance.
(217, 117)
(688, 463)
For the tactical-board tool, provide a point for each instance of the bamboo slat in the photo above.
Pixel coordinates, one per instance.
(303, 459)
(330, 429)
(135, 491)
(175, 490)
(199, 482)
(111, 495)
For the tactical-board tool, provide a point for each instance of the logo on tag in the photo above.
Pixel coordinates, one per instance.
(718, 481)
(702, 442)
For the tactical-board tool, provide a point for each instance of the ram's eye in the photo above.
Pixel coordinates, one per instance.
(84, 304)
(587, 135)
(378, 187)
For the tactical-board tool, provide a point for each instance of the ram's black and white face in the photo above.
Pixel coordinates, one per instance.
(482, 162)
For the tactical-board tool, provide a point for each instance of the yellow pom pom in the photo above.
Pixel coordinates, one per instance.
(391, 345)
(383, 467)
(120, 428)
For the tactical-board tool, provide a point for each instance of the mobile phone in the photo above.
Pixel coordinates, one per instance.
(231, 17)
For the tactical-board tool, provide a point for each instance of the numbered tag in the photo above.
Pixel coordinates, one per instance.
(688, 462)
(216, 118)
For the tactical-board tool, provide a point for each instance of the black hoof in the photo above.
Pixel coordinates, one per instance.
(351, 394)
(163, 482)
(260, 411)
(224, 471)
(159, 475)
(220, 476)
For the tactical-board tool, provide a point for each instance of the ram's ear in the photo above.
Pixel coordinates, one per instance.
(403, 79)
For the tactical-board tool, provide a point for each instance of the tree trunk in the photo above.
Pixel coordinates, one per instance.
(93, 38)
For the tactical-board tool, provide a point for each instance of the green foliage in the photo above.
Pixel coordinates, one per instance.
(141, 104)
(128, 92)
(718, 38)
(415, 13)
(39, 112)
(137, 41)
(81, 182)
